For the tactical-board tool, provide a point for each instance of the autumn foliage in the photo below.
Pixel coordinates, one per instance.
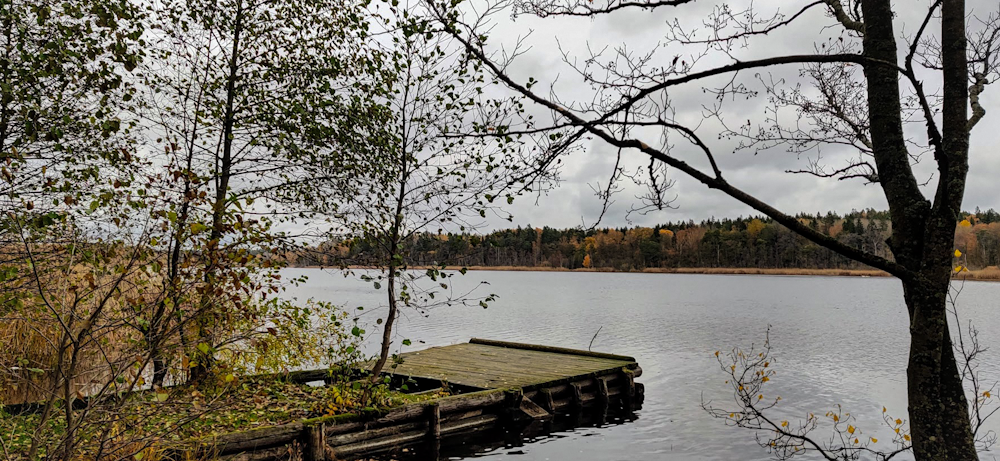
(751, 242)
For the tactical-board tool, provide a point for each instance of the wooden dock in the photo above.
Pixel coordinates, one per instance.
(484, 364)
(498, 384)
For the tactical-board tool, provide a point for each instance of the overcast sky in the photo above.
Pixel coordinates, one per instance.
(573, 202)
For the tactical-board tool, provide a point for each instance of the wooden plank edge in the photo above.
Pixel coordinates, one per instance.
(553, 349)
(409, 438)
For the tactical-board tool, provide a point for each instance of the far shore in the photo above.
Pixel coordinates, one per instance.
(991, 274)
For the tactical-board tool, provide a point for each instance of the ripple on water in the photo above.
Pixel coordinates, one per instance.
(836, 340)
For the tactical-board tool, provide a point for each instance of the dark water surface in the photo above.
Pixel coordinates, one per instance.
(836, 340)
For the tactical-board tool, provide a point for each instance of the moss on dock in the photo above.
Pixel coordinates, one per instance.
(190, 414)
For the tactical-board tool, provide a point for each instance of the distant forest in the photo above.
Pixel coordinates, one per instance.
(756, 242)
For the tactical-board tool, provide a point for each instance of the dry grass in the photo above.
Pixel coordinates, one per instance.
(32, 331)
(781, 271)
(989, 273)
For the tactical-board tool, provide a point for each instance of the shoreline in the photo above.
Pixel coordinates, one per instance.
(990, 274)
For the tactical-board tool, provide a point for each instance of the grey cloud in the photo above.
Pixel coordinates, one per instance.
(762, 175)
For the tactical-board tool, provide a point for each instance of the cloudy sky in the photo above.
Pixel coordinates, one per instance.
(573, 202)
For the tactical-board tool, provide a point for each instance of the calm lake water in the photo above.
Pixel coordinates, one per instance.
(836, 340)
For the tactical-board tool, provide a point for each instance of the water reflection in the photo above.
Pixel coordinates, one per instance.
(517, 440)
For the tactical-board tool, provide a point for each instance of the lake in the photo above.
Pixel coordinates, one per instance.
(835, 340)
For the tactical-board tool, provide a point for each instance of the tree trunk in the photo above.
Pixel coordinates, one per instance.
(223, 176)
(923, 235)
(939, 421)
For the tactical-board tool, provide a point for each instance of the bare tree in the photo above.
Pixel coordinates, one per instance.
(959, 54)
(440, 165)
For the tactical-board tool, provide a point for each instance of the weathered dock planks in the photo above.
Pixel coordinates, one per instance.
(486, 364)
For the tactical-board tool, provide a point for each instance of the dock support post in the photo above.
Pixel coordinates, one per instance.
(602, 390)
(434, 421)
(512, 405)
(548, 400)
(628, 392)
(314, 443)
(577, 389)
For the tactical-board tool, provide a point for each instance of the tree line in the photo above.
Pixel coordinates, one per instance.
(755, 241)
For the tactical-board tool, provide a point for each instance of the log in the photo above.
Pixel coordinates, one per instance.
(265, 454)
(253, 439)
(473, 400)
(336, 425)
(478, 422)
(562, 404)
(363, 435)
(314, 443)
(412, 437)
(460, 415)
(557, 350)
(530, 409)
(367, 446)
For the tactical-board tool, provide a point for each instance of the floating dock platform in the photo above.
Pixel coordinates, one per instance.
(495, 384)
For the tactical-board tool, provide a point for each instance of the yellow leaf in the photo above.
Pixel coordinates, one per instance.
(732, 415)
(765, 379)
(836, 418)
(986, 394)
(784, 424)
(958, 268)
(965, 223)
(717, 352)
(883, 409)
(850, 429)
(897, 430)
(899, 421)
(855, 441)
(906, 437)
(874, 440)
(958, 254)
(760, 396)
